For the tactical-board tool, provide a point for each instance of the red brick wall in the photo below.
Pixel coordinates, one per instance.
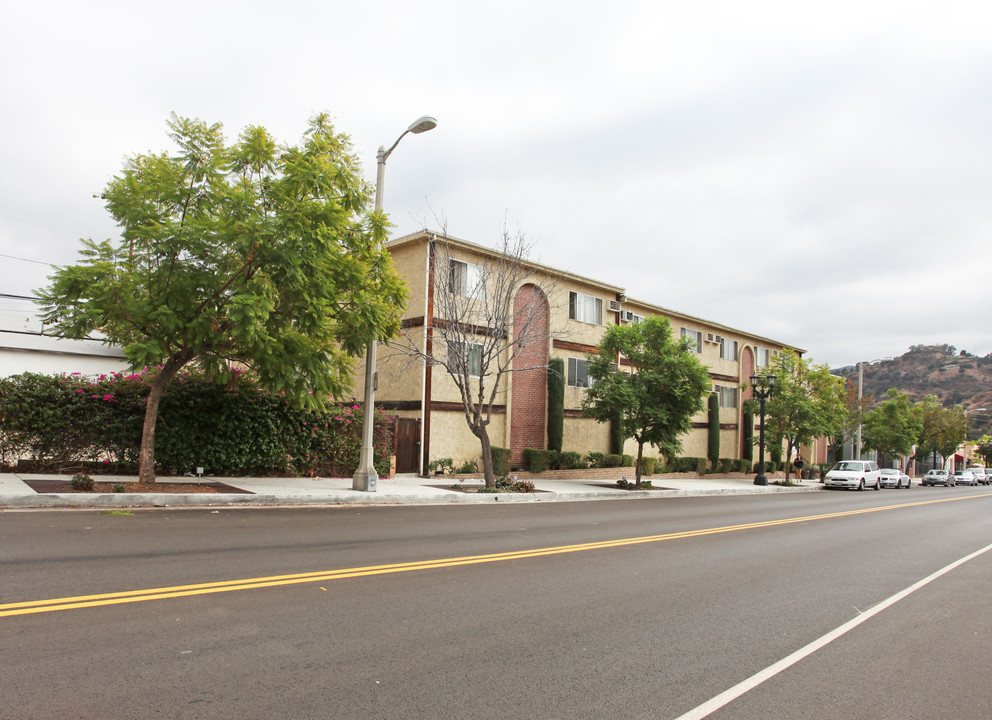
(529, 387)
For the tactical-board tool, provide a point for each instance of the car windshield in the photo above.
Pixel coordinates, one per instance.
(850, 466)
(889, 471)
(938, 472)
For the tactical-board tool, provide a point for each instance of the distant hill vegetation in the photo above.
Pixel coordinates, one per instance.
(955, 377)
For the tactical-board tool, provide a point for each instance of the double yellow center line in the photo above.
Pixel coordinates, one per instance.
(134, 596)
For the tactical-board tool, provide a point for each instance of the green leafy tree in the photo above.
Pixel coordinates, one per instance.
(250, 255)
(808, 403)
(894, 426)
(942, 429)
(984, 449)
(657, 399)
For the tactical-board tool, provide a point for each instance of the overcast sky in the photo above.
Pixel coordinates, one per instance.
(817, 173)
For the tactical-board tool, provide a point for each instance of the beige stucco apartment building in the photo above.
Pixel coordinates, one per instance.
(574, 311)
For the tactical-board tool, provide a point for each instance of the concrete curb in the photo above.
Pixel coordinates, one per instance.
(439, 497)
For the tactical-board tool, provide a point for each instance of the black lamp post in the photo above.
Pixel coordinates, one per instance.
(762, 388)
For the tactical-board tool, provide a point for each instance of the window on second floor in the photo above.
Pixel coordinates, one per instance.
(462, 354)
(585, 308)
(578, 373)
(697, 338)
(467, 280)
(728, 349)
(761, 356)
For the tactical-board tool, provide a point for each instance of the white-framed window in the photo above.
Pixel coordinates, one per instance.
(463, 354)
(578, 373)
(727, 395)
(728, 349)
(585, 308)
(761, 356)
(467, 280)
(632, 318)
(696, 336)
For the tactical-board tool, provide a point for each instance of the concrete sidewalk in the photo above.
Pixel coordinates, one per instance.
(405, 489)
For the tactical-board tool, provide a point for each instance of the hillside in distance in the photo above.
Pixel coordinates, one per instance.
(956, 378)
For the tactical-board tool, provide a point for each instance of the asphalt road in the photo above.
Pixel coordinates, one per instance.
(628, 609)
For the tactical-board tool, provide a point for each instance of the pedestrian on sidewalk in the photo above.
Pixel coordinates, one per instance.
(798, 465)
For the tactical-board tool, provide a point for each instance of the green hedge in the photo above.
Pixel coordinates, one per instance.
(647, 465)
(535, 460)
(58, 422)
(501, 461)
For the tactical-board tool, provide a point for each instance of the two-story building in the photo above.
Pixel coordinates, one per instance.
(571, 313)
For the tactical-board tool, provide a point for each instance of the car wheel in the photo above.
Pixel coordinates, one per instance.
(861, 485)
(909, 484)
(878, 485)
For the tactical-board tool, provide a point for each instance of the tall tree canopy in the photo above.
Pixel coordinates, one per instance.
(656, 400)
(258, 254)
(808, 403)
(894, 426)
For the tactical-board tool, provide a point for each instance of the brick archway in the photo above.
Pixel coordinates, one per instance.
(747, 369)
(529, 385)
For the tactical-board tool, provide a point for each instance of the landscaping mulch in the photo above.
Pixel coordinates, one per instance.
(475, 489)
(632, 486)
(64, 486)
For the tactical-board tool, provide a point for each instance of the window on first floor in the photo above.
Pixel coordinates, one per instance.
(578, 373)
(464, 355)
(727, 395)
(585, 308)
(697, 338)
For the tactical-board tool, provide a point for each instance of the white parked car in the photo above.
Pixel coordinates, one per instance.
(855, 474)
(965, 477)
(938, 477)
(895, 478)
(982, 476)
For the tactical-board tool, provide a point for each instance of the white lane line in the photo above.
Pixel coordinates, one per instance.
(714, 704)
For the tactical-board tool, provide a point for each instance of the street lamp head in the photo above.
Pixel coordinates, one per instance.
(422, 124)
(771, 383)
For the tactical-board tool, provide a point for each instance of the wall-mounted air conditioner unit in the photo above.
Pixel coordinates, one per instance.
(614, 306)
(711, 338)
(628, 315)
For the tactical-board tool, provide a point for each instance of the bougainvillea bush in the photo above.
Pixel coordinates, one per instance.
(64, 421)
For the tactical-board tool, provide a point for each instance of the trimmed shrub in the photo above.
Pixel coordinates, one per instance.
(82, 482)
(556, 403)
(713, 431)
(647, 465)
(742, 466)
(612, 460)
(595, 459)
(616, 433)
(571, 461)
(748, 450)
(501, 460)
(535, 459)
(628, 460)
(726, 465)
(701, 466)
(554, 459)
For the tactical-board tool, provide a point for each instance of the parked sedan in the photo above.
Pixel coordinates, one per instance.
(965, 477)
(982, 476)
(938, 477)
(894, 478)
(855, 474)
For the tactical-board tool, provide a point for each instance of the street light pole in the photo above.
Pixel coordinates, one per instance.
(366, 477)
(762, 388)
(861, 377)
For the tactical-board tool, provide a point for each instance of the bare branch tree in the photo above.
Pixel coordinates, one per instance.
(492, 316)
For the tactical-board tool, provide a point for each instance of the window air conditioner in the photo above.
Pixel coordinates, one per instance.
(614, 306)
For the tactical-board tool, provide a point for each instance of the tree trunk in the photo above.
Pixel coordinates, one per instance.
(146, 458)
(488, 472)
(637, 466)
